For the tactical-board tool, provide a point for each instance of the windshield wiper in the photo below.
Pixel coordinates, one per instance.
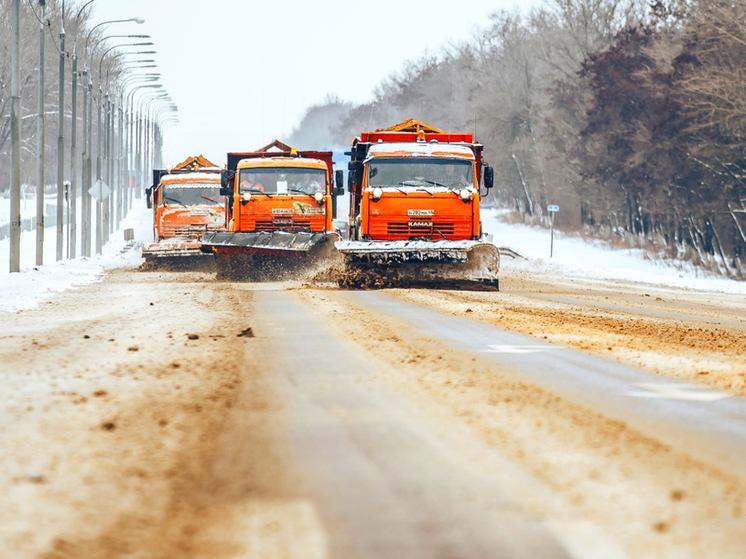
(417, 183)
(210, 199)
(298, 191)
(436, 184)
(175, 200)
(257, 191)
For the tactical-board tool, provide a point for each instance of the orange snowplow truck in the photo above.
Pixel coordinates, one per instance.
(279, 210)
(414, 210)
(186, 202)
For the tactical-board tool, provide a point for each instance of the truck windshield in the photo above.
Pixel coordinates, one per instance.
(420, 172)
(282, 180)
(192, 194)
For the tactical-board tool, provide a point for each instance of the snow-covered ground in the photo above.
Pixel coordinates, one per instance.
(33, 285)
(572, 257)
(581, 258)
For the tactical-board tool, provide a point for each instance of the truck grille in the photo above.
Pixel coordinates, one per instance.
(405, 229)
(190, 231)
(283, 225)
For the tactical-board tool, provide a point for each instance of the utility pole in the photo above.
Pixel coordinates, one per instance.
(73, 238)
(107, 178)
(89, 169)
(85, 198)
(40, 143)
(73, 208)
(15, 135)
(99, 204)
(61, 143)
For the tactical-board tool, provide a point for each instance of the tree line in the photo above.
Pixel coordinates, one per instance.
(628, 114)
(77, 26)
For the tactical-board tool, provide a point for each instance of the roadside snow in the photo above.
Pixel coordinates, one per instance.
(34, 285)
(573, 257)
(576, 257)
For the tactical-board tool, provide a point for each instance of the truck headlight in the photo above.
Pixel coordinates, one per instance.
(246, 196)
(465, 195)
(319, 197)
(377, 193)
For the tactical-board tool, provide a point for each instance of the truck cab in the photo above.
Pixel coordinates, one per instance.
(418, 190)
(280, 193)
(413, 181)
(186, 203)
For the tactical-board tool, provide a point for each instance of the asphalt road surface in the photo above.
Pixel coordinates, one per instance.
(160, 414)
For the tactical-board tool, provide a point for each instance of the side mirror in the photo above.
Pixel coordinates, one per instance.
(489, 177)
(339, 180)
(225, 182)
(356, 168)
(149, 197)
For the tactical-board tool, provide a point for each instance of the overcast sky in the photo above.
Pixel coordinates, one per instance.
(243, 72)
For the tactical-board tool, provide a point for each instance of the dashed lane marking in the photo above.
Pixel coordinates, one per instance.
(677, 392)
(516, 349)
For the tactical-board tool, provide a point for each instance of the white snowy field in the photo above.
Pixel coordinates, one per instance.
(576, 257)
(572, 257)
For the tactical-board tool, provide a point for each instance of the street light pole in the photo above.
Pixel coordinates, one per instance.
(61, 142)
(132, 146)
(40, 143)
(15, 135)
(72, 225)
(88, 126)
(73, 237)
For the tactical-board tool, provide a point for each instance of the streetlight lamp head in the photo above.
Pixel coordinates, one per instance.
(138, 20)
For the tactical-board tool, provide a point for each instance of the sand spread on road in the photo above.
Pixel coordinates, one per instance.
(650, 499)
(139, 427)
(682, 334)
(142, 425)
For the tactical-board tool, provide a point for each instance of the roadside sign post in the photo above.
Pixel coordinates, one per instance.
(552, 210)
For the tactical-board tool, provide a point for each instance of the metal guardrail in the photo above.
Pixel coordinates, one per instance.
(50, 220)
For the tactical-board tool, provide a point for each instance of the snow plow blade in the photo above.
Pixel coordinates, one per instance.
(276, 243)
(175, 255)
(443, 264)
(267, 256)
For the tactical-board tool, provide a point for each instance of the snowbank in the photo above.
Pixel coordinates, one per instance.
(34, 285)
(576, 257)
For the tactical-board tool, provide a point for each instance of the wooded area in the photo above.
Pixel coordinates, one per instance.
(631, 116)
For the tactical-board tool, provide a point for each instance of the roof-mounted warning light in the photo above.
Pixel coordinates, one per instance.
(421, 136)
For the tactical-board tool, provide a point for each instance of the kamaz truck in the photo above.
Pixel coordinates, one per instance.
(280, 203)
(186, 202)
(414, 211)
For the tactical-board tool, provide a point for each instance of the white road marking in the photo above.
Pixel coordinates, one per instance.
(516, 349)
(677, 392)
